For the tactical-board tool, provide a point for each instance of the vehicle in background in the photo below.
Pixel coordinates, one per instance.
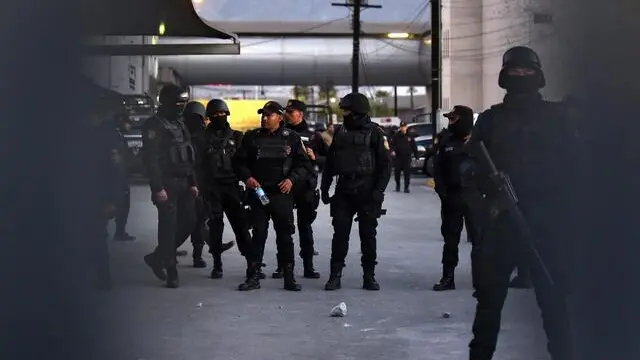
(318, 114)
(137, 109)
(387, 122)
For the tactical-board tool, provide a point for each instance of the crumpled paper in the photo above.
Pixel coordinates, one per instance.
(339, 310)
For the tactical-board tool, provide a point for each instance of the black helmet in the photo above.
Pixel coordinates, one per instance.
(217, 106)
(521, 56)
(172, 94)
(356, 103)
(195, 107)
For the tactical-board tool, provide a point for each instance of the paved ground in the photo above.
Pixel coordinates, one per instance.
(208, 320)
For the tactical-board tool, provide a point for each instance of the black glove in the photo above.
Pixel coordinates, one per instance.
(377, 196)
(324, 196)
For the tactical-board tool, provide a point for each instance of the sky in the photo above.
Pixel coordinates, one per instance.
(408, 11)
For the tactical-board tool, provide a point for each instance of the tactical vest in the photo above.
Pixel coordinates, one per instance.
(275, 151)
(220, 150)
(353, 152)
(178, 154)
(450, 154)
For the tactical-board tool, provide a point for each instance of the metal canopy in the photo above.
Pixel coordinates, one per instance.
(165, 49)
(143, 17)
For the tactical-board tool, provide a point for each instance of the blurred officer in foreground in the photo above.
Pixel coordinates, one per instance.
(403, 146)
(169, 158)
(359, 156)
(194, 114)
(108, 162)
(454, 194)
(124, 205)
(221, 189)
(272, 162)
(527, 138)
(306, 197)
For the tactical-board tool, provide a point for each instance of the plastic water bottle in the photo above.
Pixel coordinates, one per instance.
(264, 199)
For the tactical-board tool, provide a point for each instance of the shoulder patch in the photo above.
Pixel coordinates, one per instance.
(286, 132)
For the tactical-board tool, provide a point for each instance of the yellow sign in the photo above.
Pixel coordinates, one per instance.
(244, 113)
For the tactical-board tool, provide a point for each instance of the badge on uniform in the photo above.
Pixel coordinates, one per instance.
(287, 150)
(151, 134)
(231, 142)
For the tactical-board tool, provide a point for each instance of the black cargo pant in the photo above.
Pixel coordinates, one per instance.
(122, 214)
(176, 219)
(402, 166)
(499, 254)
(343, 208)
(455, 212)
(280, 211)
(198, 236)
(306, 204)
(227, 198)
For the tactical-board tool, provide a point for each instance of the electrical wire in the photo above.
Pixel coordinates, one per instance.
(300, 32)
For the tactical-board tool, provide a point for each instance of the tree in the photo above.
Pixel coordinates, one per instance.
(301, 92)
(380, 94)
(327, 92)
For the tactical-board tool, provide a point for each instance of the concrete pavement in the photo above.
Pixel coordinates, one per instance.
(207, 319)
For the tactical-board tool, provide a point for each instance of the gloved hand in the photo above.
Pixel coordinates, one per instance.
(377, 196)
(324, 196)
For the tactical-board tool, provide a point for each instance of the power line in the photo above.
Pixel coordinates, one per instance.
(357, 6)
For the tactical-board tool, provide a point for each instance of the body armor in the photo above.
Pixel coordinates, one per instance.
(273, 152)
(220, 149)
(178, 155)
(451, 154)
(353, 152)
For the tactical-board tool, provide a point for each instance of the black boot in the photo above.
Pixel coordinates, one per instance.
(309, 271)
(447, 282)
(216, 272)
(278, 274)
(335, 276)
(397, 187)
(155, 264)
(172, 277)
(406, 190)
(252, 282)
(289, 279)
(368, 278)
(261, 274)
(198, 261)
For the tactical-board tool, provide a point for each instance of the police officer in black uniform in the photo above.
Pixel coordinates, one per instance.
(403, 146)
(527, 138)
(306, 197)
(169, 158)
(454, 194)
(221, 187)
(359, 156)
(272, 159)
(194, 115)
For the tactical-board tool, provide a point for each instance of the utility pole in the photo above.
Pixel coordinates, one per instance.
(436, 63)
(357, 6)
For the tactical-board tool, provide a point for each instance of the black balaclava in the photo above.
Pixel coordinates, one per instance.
(355, 121)
(173, 100)
(527, 84)
(461, 128)
(219, 122)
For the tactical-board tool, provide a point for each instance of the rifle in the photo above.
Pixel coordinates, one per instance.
(507, 200)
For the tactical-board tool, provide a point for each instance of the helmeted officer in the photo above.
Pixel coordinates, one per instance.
(359, 156)
(528, 138)
(169, 158)
(194, 115)
(306, 196)
(454, 193)
(221, 187)
(272, 160)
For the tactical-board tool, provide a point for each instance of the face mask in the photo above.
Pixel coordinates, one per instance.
(522, 84)
(219, 122)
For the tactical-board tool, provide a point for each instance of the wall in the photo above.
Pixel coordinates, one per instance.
(123, 74)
